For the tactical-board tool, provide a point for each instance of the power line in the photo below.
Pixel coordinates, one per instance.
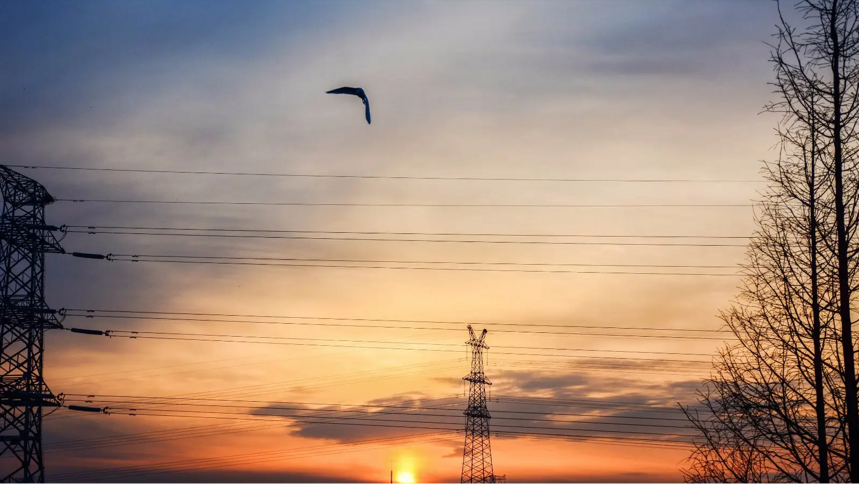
(439, 269)
(436, 241)
(172, 333)
(190, 433)
(237, 339)
(196, 432)
(395, 423)
(432, 262)
(315, 382)
(184, 433)
(208, 340)
(419, 321)
(365, 422)
(616, 406)
(586, 403)
(416, 412)
(386, 177)
(614, 370)
(379, 326)
(245, 392)
(325, 419)
(318, 382)
(434, 402)
(436, 234)
(584, 366)
(440, 205)
(138, 410)
(326, 406)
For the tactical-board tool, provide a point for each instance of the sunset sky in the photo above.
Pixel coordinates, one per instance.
(575, 89)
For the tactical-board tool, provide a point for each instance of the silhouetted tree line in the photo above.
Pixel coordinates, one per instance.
(781, 402)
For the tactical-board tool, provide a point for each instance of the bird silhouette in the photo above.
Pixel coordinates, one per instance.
(355, 91)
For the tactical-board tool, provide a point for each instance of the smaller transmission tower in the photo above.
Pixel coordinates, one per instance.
(476, 455)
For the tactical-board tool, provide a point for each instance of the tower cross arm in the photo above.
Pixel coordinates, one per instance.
(474, 341)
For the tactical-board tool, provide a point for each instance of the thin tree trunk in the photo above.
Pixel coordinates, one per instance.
(843, 269)
(819, 404)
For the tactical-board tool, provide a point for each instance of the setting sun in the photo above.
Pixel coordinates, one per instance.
(405, 477)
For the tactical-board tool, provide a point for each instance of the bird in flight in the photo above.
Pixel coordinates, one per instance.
(355, 91)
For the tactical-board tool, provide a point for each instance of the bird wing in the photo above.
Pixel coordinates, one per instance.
(346, 90)
(355, 91)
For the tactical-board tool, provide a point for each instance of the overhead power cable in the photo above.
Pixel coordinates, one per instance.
(438, 205)
(423, 262)
(382, 326)
(238, 262)
(432, 404)
(550, 355)
(417, 321)
(285, 262)
(616, 405)
(192, 432)
(386, 177)
(277, 340)
(331, 407)
(498, 416)
(498, 428)
(398, 423)
(432, 241)
(316, 383)
(433, 234)
(171, 333)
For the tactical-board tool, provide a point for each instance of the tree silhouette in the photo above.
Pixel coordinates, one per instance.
(781, 402)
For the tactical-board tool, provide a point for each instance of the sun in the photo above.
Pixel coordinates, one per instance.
(405, 477)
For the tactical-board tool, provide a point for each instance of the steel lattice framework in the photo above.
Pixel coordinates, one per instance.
(24, 317)
(476, 454)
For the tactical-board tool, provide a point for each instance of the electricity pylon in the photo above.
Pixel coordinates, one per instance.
(24, 317)
(476, 454)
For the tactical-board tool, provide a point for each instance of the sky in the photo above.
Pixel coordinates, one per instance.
(563, 90)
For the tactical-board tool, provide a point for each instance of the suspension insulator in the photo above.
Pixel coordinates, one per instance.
(87, 331)
(86, 255)
(81, 408)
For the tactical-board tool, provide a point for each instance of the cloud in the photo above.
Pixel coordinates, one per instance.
(602, 408)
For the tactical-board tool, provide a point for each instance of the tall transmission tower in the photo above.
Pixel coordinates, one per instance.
(476, 454)
(24, 317)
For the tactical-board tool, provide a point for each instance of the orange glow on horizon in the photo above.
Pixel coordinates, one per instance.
(405, 476)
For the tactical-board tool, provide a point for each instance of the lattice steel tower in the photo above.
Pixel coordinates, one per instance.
(476, 455)
(24, 317)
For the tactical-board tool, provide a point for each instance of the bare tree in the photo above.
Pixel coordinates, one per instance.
(834, 44)
(781, 404)
(769, 409)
